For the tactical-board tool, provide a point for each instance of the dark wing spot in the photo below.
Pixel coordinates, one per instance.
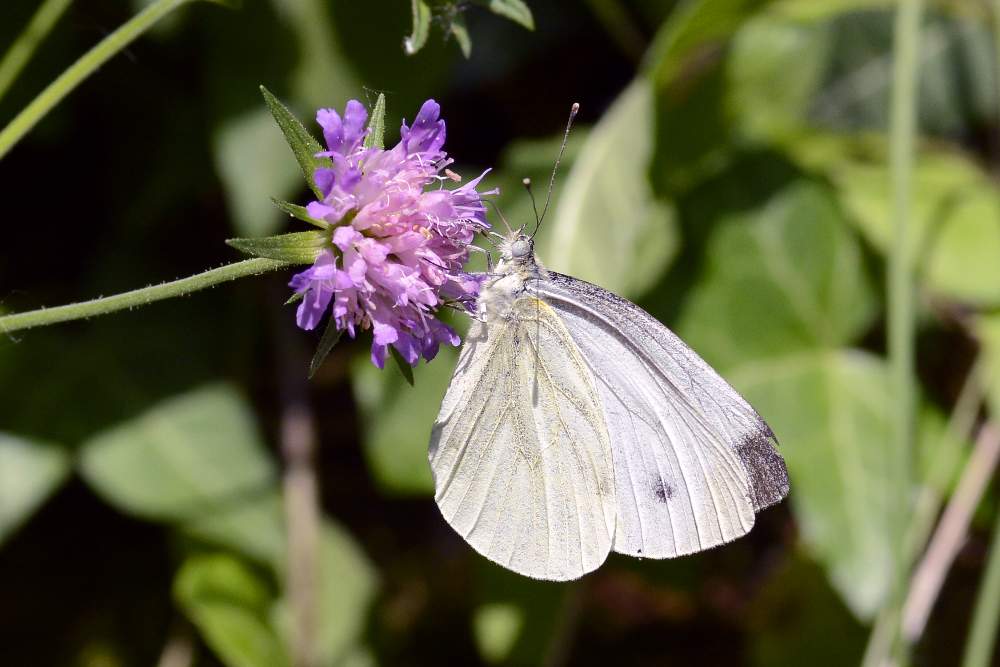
(662, 490)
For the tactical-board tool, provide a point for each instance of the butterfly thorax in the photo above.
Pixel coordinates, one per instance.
(510, 278)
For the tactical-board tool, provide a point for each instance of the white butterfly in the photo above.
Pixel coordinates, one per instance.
(576, 424)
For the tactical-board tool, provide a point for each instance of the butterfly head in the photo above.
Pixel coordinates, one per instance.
(518, 247)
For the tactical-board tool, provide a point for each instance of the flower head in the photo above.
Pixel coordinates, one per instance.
(399, 237)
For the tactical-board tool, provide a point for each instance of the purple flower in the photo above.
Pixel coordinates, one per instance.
(400, 238)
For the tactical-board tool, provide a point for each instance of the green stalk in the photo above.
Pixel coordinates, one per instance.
(139, 297)
(23, 48)
(900, 295)
(83, 68)
(986, 616)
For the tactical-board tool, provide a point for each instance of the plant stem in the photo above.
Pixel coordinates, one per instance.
(83, 68)
(139, 297)
(900, 293)
(21, 50)
(986, 616)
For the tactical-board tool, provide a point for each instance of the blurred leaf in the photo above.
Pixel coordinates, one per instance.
(987, 329)
(515, 10)
(299, 212)
(457, 29)
(376, 126)
(30, 472)
(608, 226)
(398, 420)
(231, 606)
(421, 27)
(830, 410)
(784, 277)
(298, 247)
(253, 164)
(496, 627)
(774, 68)
(693, 27)
(956, 207)
(195, 460)
(346, 590)
(331, 336)
(809, 10)
(304, 146)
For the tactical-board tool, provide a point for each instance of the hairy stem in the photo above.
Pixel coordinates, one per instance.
(139, 297)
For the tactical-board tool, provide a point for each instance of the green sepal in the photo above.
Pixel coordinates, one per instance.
(303, 144)
(421, 27)
(515, 10)
(295, 298)
(404, 367)
(297, 247)
(461, 34)
(300, 213)
(330, 337)
(376, 126)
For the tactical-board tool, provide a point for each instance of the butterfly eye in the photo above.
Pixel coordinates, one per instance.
(520, 248)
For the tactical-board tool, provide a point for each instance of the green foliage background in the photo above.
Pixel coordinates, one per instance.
(729, 173)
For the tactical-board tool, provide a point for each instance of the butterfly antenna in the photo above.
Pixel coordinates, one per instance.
(500, 213)
(555, 168)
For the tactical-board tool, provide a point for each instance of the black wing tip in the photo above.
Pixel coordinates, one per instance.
(765, 467)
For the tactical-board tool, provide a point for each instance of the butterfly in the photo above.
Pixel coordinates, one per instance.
(576, 424)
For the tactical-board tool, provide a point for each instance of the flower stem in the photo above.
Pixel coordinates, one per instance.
(139, 297)
(21, 50)
(83, 68)
(986, 616)
(900, 289)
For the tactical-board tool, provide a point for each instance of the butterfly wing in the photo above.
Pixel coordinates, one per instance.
(520, 451)
(693, 461)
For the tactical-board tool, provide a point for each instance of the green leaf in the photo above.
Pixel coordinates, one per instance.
(496, 627)
(782, 277)
(294, 298)
(376, 126)
(830, 411)
(331, 335)
(231, 605)
(404, 368)
(303, 145)
(298, 247)
(457, 29)
(30, 472)
(608, 226)
(515, 10)
(196, 461)
(398, 421)
(300, 213)
(421, 27)
(252, 161)
(955, 208)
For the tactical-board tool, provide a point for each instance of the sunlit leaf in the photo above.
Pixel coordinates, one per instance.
(30, 472)
(231, 605)
(457, 29)
(608, 227)
(988, 331)
(515, 10)
(304, 146)
(298, 247)
(196, 460)
(376, 125)
(299, 212)
(956, 240)
(496, 627)
(783, 277)
(421, 27)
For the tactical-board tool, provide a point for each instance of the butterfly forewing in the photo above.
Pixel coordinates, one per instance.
(520, 451)
(693, 461)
